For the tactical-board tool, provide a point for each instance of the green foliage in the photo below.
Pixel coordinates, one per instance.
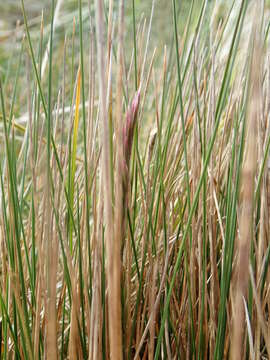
(178, 120)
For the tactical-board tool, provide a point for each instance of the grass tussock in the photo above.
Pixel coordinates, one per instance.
(134, 216)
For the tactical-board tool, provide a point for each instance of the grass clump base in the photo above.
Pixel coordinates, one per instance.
(135, 189)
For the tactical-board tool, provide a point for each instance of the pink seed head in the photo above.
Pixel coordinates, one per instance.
(129, 125)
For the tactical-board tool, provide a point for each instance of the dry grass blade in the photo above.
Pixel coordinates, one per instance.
(112, 244)
(245, 236)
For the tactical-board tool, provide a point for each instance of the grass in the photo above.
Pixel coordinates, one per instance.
(135, 194)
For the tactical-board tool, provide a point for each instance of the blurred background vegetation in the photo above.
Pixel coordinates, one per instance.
(12, 30)
(11, 20)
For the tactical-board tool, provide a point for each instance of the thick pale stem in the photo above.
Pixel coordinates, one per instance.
(248, 190)
(113, 249)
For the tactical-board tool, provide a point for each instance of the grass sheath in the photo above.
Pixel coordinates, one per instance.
(244, 238)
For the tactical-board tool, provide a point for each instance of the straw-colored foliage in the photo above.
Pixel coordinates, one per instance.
(134, 212)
